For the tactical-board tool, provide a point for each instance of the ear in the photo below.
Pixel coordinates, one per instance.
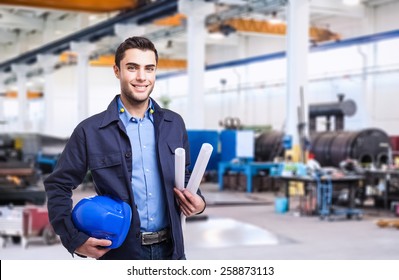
(116, 71)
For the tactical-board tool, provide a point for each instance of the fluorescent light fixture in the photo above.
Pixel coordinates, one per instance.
(351, 2)
(216, 36)
(274, 19)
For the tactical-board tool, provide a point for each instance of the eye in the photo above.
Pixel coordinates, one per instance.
(132, 68)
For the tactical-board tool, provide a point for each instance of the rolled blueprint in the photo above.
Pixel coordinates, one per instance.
(180, 170)
(180, 167)
(196, 175)
(199, 167)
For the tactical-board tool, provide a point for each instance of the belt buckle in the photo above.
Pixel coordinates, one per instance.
(150, 238)
(146, 238)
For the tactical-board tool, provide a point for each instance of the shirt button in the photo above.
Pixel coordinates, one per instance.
(128, 154)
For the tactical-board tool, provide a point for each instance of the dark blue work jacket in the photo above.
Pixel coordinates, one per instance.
(100, 144)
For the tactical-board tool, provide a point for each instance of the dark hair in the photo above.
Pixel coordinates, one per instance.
(135, 42)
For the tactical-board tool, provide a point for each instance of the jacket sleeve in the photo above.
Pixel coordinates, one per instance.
(69, 172)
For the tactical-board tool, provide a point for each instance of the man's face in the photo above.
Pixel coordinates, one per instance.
(136, 75)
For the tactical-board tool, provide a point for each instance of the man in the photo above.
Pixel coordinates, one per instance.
(129, 150)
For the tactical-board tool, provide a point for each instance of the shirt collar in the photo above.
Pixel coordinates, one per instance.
(125, 116)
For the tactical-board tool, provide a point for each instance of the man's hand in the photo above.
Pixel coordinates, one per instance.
(94, 248)
(190, 204)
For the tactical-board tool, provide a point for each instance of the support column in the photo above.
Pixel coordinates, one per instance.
(196, 12)
(83, 50)
(369, 55)
(20, 71)
(297, 69)
(48, 62)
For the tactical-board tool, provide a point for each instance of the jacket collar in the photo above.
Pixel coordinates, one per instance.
(112, 113)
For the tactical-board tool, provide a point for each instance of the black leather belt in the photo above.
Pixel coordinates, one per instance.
(150, 238)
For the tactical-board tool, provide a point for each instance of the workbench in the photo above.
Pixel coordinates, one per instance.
(386, 176)
(249, 169)
(352, 181)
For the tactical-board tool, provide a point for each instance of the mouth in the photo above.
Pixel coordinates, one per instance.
(140, 87)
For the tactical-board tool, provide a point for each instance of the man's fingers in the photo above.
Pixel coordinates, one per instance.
(102, 242)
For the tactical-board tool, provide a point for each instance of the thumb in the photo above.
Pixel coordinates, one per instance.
(103, 242)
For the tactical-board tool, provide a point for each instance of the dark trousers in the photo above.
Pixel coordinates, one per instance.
(159, 251)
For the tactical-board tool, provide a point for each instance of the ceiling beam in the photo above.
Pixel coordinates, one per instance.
(96, 6)
(94, 33)
(316, 34)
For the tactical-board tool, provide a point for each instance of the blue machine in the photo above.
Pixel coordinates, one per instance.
(233, 150)
(237, 144)
(198, 137)
(46, 163)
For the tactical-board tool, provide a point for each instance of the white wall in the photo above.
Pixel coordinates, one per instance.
(386, 17)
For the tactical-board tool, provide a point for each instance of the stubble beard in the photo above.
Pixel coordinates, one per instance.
(135, 99)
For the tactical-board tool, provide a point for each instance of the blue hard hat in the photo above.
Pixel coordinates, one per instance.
(103, 217)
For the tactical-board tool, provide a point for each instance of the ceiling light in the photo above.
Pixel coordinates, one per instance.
(274, 19)
(351, 2)
(216, 36)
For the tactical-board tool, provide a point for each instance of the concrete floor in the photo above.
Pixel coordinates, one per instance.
(245, 226)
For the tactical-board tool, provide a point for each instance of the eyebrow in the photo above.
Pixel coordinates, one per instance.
(135, 64)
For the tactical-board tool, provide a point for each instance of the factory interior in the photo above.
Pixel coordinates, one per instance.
(296, 98)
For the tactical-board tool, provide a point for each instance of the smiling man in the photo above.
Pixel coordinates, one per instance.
(129, 150)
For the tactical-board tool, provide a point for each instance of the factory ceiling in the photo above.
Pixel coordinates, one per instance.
(93, 6)
(29, 28)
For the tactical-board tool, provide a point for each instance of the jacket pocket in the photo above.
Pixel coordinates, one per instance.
(173, 146)
(107, 173)
(104, 161)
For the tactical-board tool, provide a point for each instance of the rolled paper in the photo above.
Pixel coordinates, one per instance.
(180, 167)
(199, 168)
(180, 170)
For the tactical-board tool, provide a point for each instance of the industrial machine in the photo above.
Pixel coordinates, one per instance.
(330, 147)
(23, 214)
(24, 158)
(18, 184)
(333, 112)
(370, 147)
(269, 145)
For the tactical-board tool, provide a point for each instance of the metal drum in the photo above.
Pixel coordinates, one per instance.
(269, 145)
(368, 146)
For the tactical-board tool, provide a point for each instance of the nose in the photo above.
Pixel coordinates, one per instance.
(141, 75)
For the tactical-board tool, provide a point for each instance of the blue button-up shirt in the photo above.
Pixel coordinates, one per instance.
(147, 187)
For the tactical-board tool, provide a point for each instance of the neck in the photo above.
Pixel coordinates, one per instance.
(136, 109)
